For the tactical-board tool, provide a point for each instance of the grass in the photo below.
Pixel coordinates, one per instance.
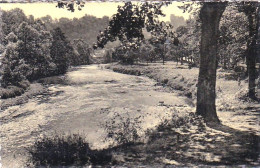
(13, 91)
(182, 79)
(66, 150)
(186, 140)
(53, 80)
(10, 92)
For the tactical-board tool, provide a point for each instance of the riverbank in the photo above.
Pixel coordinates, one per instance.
(230, 90)
(233, 107)
(185, 140)
(33, 90)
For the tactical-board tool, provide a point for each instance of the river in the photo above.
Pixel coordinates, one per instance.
(89, 98)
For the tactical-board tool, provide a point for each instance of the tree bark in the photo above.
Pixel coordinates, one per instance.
(251, 57)
(210, 15)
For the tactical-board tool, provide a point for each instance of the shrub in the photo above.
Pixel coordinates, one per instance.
(10, 92)
(65, 150)
(123, 130)
(24, 84)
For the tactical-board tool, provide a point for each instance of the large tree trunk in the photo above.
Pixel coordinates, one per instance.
(250, 9)
(258, 45)
(251, 55)
(210, 15)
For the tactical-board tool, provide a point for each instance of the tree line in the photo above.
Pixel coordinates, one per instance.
(31, 51)
(232, 50)
(85, 28)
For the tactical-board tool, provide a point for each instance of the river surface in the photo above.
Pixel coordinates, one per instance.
(89, 98)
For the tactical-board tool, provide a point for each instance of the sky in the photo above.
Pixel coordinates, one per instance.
(98, 9)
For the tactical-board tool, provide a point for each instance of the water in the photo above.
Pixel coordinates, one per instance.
(89, 97)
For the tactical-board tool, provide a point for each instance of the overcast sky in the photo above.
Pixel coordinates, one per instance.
(98, 9)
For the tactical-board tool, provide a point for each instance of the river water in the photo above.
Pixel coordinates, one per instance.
(89, 98)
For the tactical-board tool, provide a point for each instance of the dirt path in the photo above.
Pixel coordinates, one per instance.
(88, 98)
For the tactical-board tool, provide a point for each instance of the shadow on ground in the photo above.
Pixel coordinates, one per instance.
(193, 144)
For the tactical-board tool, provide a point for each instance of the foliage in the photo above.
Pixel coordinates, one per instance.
(33, 47)
(31, 51)
(83, 50)
(12, 19)
(140, 17)
(1, 32)
(70, 6)
(128, 26)
(11, 91)
(125, 55)
(123, 129)
(147, 52)
(11, 37)
(14, 70)
(59, 51)
(86, 28)
(189, 42)
(65, 150)
(233, 37)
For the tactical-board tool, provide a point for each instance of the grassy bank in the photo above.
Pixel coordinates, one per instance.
(187, 141)
(27, 88)
(33, 90)
(177, 77)
(13, 91)
(230, 90)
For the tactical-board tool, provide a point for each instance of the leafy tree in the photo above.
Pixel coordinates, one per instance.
(130, 21)
(233, 37)
(146, 50)
(160, 36)
(192, 39)
(126, 54)
(70, 5)
(59, 51)
(1, 33)
(27, 46)
(12, 19)
(34, 48)
(14, 70)
(84, 51)
(251, 10)
(181, 51)
(28, 49)
(11, 37)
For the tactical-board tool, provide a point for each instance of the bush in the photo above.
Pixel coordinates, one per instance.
(10, 92)
(24, 84)
(127, 71)
(123, 130)
(65, 150)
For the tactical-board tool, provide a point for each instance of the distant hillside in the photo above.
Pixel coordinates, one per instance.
(86, 28)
